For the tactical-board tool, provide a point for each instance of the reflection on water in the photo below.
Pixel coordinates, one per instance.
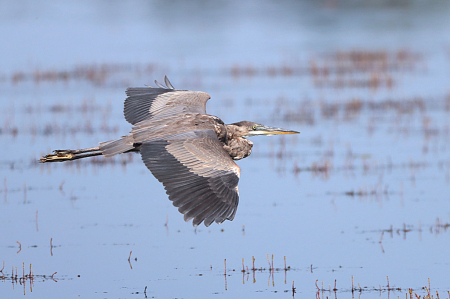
(356, 194)
(25, 279)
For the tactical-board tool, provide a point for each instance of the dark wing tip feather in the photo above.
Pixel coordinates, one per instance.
(160, 85)
(168, 84)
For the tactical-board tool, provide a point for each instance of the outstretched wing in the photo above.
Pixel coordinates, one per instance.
(199, 176)
(145, 103)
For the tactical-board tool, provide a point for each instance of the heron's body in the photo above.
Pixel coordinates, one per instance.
(187, 150)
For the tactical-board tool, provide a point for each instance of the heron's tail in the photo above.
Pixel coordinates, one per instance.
(115, 147)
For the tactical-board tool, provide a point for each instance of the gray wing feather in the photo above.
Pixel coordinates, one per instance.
(160, 85)
(198, 175)
(168, 84)
(144, 103)
(139, 102)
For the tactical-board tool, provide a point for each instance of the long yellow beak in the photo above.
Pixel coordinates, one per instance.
(264, 130)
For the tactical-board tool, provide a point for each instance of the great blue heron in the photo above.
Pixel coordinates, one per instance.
(187, 150)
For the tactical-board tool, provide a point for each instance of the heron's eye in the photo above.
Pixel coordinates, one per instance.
(254, 127)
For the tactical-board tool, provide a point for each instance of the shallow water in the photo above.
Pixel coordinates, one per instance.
(362, 192)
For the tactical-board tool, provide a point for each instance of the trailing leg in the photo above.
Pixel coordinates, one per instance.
(67, 155)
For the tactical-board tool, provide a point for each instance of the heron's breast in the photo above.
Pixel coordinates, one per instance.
(238, 148)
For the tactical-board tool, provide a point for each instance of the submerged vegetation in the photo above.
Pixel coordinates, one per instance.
(363, 141)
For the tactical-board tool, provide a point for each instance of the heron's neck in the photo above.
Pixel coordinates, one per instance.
(234, 131)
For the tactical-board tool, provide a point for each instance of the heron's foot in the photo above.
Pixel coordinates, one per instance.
(58, 156)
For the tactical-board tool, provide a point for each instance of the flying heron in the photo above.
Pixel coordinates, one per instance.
(190, 152)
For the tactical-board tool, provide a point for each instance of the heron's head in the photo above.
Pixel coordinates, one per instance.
(248, 128)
